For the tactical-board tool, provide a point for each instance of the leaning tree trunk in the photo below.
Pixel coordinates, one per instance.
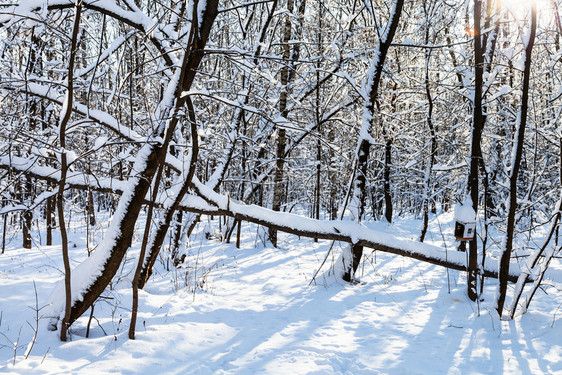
(533, 260)
(144, 269)
(166, 218)
(106, 260)
(352, 256)
(517, 152)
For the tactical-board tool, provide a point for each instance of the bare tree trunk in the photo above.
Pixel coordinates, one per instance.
(517, 152)
(140, 260)
(238, 230)
(120, 233)
(65, 117)
(475, 155)
(34, 65)
(332, 177)
(91, 212)
(64, 243)
(386, 182)
(144, 268)
(317, 117)
(490, 41)
(351, 259)
(279, 188)
(27, 216)
(50, 220)
(433, 138)
(4, 223)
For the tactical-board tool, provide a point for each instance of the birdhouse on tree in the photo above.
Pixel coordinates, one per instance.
(465, 221)
(464, 231)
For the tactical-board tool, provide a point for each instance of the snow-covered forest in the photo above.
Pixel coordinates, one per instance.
(276, 186)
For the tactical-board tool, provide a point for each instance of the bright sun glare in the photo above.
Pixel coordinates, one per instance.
(521, 8)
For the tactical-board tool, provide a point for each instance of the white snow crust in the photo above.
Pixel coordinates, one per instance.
(252, 311)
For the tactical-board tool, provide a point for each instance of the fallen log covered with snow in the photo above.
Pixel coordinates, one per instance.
(211, 203)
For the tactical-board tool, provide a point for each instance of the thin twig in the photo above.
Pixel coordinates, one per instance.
(36, 328)
(47, 352)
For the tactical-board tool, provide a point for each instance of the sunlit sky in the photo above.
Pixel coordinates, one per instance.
(521, 8)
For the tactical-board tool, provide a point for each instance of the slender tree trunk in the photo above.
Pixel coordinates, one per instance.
(490, 41)
(533, 260)
(33, 67)
(145, 237)
(50, 220)
(352, 257)
(155, 187)
(91, 212)
(475, 156)
(144, 268)
(238, 230)
(332, 177)
(4, 224)
(318, 120)
(279, 188)
(433, 138)
(119, 237)
(27, 216)
(65, 117)
(386, 183)
(64, 243)
(517, 152)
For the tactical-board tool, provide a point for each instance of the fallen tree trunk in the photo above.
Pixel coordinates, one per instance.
(212, 203)
(345, 231)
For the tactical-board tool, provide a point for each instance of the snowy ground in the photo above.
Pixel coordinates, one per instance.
(252, 310)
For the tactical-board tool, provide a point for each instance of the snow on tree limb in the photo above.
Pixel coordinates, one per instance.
(212, 203)
(339, 230)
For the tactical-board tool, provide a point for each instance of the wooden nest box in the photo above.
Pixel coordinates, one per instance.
(464, 230)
